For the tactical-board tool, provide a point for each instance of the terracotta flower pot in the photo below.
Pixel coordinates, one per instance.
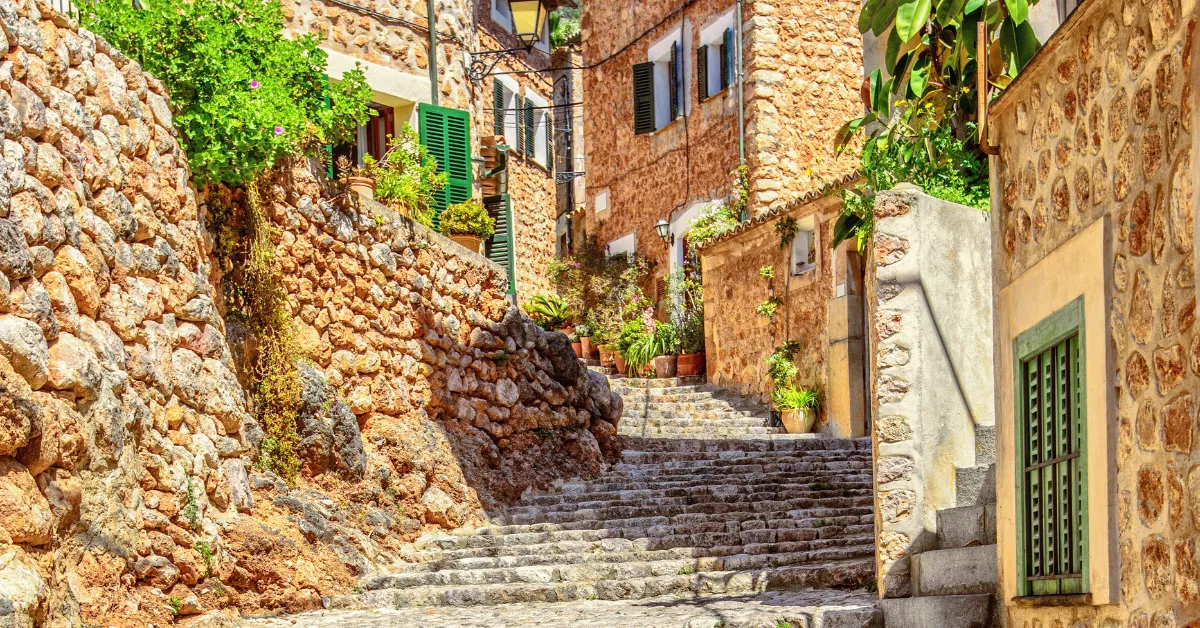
(578, 348)
(665, 366)
(364, 186)
(798, 421)
(471, 242)
(619, 362)
(691, 364)
(586, 341)
(606, 356)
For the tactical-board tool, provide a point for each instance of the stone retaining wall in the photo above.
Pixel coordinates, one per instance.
(127, 437)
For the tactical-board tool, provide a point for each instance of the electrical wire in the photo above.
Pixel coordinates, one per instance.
(383, 17)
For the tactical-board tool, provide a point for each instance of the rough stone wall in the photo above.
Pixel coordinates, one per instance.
(736, 353)
(803, 70)
(804, 67)
(465, 26)
(1101, 124)
(930, 363)
(126, 438)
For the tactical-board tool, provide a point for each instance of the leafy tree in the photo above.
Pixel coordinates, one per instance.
(922, 124)
(246, 96)
(564, 26)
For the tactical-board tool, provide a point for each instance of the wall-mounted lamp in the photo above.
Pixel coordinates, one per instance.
(528, 24)
(663, 228)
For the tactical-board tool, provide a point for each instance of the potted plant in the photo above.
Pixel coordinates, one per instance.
(797, 407)
(357, 179)
(549, 312)
(585, 338)
(686, 294)
(632, 334)
(659, 345)
(468, 224)
(407, 177)
(577, 346)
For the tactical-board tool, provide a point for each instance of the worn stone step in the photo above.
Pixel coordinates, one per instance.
(630, 456)
(697, 498)
(959, 571)
(793, 442)
(627, 473)
(679, 383)
(694, 491)
(707, 479)
(815, 462)
(966, 526)
(975, 485)
(615, 570)
(609, 550)
(731, 510)
(947, 611)
(851, 573)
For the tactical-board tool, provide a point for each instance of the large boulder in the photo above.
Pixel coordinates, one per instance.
(566, 365)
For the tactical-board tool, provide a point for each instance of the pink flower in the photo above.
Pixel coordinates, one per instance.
(278, 130)
(255, 85)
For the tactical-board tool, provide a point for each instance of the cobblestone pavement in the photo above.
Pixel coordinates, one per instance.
(803, 609)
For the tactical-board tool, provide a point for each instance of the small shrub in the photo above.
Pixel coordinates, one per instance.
(548, 311)
(176, 604)
(714, 220)
(406, 178)
(467, 218)
(791, 398)
(502, 358)
(206, 553)
(686, 570)
(191, 509)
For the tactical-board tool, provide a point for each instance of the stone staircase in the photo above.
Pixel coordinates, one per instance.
(692, 512)
(954, 585)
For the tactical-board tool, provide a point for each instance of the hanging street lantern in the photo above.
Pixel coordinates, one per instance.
(529, 18)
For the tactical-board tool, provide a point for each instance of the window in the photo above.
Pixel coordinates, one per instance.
(447, 134)
(500, 247)
(538, 129)
(1051, 469)
(715, 56)
(601, 203)
(1065, 8)
(804, 247)
(624, 244)
(372, 137)
(502, 16)
(507, 114)
(659, 91)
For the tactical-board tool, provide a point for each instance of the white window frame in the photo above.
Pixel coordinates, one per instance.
(713, 35)
(624, 244)
(511, 110)
(600, 204)
(502, 16)
(678, 229)
(659, 54)
(541, 119)
(808, 240)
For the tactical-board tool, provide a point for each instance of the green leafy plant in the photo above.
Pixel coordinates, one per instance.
(467, 218)
(769, 307)
(583, 330)
(767, 273)
(549, 311)
(792, 398)
(661, 339)
(781, 364)
(176, 604)
(564, 26)
(191, 508)
(245, 95)
(209, 557)
(685, 292)
(631, 333)
(407, 177)
(921, 126)
(686, 570)
(714, 220)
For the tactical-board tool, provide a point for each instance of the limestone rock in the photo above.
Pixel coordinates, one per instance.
(15, 261)
(24, 514)
(20, 414)
(23, 593)
(240, 496)
(72, 366)
(156, 571)
(24, 346)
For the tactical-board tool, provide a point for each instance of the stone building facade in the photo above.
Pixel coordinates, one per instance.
(127, 437)
(1094, 226)
(802, 68)
(390, 40)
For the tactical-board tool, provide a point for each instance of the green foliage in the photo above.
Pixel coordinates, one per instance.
(781, 364)
(714, 220)
(738, 207)
(502, 358)
(769, 307)
(406, 178)
(191, 508)
(206, 553)
(685, 292)
(786, 228)
(660, 339)
(549, 311)
(686, 570)
(767, 273)
(176, 604)
(631, 333)
(564, 26)
(467, 218)
(593, 283)
(921, 127)
(246, 95)
(792, 398)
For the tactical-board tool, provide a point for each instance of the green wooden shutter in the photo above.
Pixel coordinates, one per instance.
(501, 247)
(530, 130)
(702, 72)
(327, 149)
(643, 98)
(447, 134)
(1051, 441)
(673, 73)
(519, 114)
(727, 59)
(498, 106)
(549, 141)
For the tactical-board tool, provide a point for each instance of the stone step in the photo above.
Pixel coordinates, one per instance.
(975, 485)
(959, 571)
(621, 473)
(816, 462)
(966, 526)
(628, 383)
(619, 516)
(985, 444)
(947, 611)
(690, 492)
(614, 570)
(608, 550)
(782, 442)
(659, 457)
(611, 483)
(682, 418)
(671, 506)
(850, 573)
(696, 432)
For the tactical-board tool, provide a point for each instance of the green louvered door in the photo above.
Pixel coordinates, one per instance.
(447, 134)
(1052, 437)
(501, 247)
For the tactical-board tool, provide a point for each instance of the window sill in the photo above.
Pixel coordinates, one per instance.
(666, 126)
(721, 94)
(1074, 599)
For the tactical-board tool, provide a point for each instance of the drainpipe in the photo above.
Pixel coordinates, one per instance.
(741, 102)
(433, 74)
